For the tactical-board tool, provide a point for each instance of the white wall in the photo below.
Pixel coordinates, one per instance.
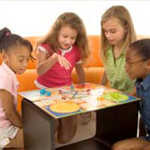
(33, 18)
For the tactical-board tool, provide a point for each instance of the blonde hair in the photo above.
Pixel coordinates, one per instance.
(123, 16)
(73, 21)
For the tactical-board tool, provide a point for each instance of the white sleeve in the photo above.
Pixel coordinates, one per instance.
(79, 62)
(42, 49)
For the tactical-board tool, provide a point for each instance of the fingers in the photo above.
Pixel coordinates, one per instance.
(64, 62)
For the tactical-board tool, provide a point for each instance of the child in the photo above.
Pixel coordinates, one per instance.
(16, 52)
(117, 32)
(64, 47)
(138, 67)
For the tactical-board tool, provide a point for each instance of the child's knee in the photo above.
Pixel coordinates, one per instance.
(114, 147)
(65, 136)
(64, 139)
(67, 130)
(117, 146)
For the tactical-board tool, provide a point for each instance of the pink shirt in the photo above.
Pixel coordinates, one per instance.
(8, 82)
(58, 76)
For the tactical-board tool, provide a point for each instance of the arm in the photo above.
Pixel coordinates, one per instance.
(44, 63)
(104, 79)
(8, 105)
(80, 73)
(133, 92)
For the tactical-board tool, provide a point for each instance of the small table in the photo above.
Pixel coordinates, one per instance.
(113, 122)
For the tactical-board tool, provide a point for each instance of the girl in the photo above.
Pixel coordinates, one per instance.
(16, 52)
(63, 48)
(138, 67)
(117, 33)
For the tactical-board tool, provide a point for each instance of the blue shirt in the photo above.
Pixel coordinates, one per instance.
(143, 91)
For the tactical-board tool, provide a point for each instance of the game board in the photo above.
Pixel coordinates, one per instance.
(79, 98)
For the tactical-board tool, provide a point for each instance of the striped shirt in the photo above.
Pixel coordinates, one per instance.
(116, 73)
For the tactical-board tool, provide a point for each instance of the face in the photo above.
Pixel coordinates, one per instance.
(67, 37)
(17, 59)
(114, 31)
(135, 66)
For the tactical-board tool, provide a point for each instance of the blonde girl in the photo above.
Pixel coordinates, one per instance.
(63, 48)
(117, 32)
(16, 52)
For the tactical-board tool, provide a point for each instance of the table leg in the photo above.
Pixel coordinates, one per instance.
(39, 128)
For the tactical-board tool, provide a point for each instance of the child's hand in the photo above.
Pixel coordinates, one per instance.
(63, 62)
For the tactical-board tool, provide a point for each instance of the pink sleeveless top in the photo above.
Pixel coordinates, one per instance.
(8, 82)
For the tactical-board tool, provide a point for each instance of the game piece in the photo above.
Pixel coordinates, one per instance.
(60, 91)
(48, 93)
(73, 96)
(42, 91)
(64, 98)
(88, 91)
(100, 98)
(72, 87)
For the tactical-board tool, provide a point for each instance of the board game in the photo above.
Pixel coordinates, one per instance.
(76, 99)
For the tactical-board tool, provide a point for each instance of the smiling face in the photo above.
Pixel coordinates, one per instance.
(136, 66)
(67, 37)
(114, 31)
(17, 59)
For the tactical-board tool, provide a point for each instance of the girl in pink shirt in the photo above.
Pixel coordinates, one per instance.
(63, 48)
(16, 52)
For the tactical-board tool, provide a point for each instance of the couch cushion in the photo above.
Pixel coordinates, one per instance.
(94, 59)
(92, 74)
